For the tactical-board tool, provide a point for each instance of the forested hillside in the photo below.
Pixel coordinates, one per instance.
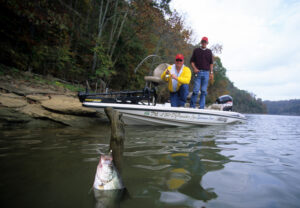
(286, 107)
(103, 41)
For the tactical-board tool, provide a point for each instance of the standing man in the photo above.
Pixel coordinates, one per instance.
(178, 76)
(202, 63)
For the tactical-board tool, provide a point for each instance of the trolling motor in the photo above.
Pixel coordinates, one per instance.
(226, 102)
(121, 97)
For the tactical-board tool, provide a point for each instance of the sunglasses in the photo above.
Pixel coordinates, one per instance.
(179, 60)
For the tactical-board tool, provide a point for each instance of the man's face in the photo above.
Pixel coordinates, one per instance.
(204, 43)
(179, 63)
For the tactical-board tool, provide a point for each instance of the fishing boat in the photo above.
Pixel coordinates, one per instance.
(140, 107)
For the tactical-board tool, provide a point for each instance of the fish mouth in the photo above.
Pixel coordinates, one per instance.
(107, 162)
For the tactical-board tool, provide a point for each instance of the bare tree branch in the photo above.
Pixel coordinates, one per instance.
(70, 8)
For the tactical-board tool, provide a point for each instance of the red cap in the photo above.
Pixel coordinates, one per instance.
(205, 39)
(179, 56)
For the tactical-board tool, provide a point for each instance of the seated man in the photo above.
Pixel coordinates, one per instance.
(178, 77)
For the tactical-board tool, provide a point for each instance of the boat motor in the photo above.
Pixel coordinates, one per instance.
(226, 102)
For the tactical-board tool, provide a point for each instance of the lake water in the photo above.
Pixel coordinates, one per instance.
(255, 164)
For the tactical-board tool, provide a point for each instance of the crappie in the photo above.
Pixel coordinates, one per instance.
(107, 176)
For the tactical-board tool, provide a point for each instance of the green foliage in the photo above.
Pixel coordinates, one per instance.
(245, 102)
(59, 38)
(288, 107)
(69, 86)
(105, 65)
(79, 40)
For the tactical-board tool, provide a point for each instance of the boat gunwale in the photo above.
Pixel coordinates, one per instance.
(185, 122)
(168, 109)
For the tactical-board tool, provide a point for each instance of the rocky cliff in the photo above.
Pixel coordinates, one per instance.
(41, 105)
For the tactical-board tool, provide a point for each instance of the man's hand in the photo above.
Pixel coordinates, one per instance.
(194, 68)
(167, 74)
(174, 76)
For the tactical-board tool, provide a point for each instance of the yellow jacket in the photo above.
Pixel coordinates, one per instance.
(184, 78)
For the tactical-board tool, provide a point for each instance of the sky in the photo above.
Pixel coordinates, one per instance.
(260, 38)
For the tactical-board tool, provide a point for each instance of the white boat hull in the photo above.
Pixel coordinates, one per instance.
(172, 116)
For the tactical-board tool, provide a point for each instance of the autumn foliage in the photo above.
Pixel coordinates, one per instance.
(99, 41)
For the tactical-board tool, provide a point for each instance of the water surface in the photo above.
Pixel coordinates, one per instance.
(256, 164)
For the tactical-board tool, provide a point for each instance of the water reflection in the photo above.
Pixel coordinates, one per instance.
(158, 163)
(249, 165)
(174, 162)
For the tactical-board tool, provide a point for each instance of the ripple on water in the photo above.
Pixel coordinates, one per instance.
(255, 164)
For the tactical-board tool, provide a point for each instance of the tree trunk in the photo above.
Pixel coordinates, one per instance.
(114, 26)
(102, 16)
(120, 31)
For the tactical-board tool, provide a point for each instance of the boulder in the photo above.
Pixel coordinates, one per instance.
(38, 98)
(67, 105)
(28, 102)
(38, 112)
(12, 100)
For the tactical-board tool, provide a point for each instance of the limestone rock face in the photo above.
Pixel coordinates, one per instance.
(38, 98)
(22, 103)
(12, 100)
(38, 112)
(67, 105)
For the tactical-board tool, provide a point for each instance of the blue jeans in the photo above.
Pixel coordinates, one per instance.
(178, 98)
(201, 80)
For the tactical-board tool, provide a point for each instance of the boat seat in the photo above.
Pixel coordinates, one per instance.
(155, 78)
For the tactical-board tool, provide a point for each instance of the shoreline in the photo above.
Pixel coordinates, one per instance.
(36, 101)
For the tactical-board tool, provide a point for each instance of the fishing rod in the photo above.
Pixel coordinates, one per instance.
(138, 66)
